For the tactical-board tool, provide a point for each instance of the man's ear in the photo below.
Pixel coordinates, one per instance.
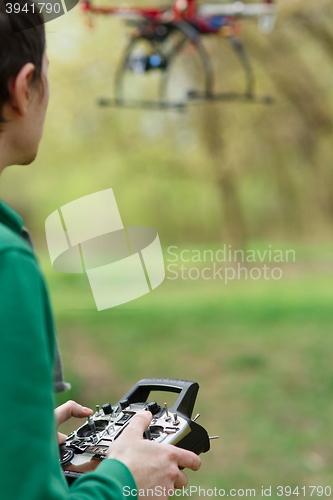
(21, 89)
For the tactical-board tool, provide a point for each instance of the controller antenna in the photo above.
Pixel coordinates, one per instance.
(166, 412)
(91, 424)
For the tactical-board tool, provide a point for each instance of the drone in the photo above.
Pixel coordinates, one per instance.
(161, 35)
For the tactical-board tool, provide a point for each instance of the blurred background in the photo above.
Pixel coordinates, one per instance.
(245, 175)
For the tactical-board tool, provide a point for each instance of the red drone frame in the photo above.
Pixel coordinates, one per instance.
(169, 31)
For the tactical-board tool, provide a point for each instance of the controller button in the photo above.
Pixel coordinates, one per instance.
(124, 403)
(123, 419)
(107, 408)
(153, 407)
(156, 431)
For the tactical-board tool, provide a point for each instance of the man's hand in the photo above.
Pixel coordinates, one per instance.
(152, 464)
(68, 410)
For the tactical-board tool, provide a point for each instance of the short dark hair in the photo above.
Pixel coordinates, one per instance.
(22, 40)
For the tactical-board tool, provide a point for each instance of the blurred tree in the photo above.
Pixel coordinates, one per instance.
(299, 124)
(224, 175)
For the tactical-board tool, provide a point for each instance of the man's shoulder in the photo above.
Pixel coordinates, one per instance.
(10, 240)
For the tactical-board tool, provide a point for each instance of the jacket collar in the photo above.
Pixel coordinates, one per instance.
(10, 218)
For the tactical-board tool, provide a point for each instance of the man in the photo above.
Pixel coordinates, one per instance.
(29, 461)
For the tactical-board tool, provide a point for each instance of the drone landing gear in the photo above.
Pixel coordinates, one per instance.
(142, 104)
(229, 96)
(193, 98)
(172, 57)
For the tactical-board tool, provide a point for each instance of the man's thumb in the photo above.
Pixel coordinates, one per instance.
(139, 423)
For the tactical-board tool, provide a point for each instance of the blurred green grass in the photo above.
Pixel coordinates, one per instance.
(261, 351)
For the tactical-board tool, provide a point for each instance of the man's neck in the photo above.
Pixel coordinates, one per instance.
(5, 157)
(2, 165)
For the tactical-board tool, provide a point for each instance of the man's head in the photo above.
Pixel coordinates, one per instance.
(23, 83)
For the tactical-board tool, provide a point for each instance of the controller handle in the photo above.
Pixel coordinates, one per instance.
(184, 403)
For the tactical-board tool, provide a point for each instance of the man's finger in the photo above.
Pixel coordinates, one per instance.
(188, 459)
(71, 409)
(139, 424)
(61, 437)
(181, 480)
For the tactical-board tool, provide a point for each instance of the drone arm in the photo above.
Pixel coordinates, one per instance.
(238, 9)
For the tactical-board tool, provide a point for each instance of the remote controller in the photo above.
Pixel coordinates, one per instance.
(88, 445)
